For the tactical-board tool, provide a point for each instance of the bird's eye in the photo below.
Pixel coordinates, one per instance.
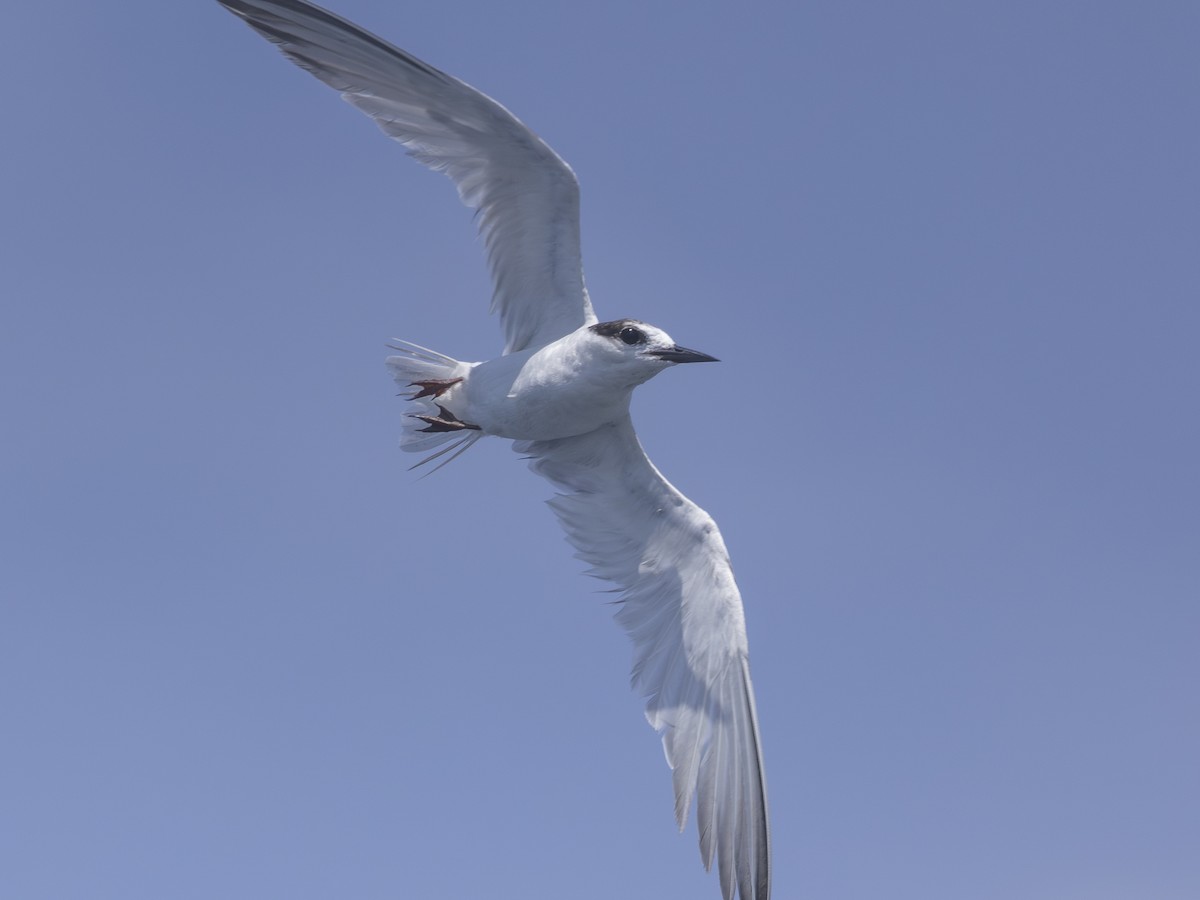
(631, 335)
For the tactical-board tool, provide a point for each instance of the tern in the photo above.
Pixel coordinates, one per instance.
(561, 391)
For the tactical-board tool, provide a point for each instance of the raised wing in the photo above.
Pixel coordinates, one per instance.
(526, 197)
(684, 613)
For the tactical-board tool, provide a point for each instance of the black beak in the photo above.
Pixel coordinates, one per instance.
(679, 354)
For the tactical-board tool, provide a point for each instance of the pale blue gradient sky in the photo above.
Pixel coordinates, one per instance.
(950, 256)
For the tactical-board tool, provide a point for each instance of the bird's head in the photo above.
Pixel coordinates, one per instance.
(639, 348)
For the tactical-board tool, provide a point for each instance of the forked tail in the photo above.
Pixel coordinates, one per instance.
(423, 375)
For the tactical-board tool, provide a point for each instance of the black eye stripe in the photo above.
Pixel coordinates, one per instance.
(625, 329)
(613, 328)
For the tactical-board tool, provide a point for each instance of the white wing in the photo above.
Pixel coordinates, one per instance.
(526, 197)
(684, 613)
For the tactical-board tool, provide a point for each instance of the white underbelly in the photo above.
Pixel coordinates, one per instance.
(505, 401)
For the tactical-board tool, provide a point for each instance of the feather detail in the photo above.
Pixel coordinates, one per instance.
(682, 610)
(525, 197)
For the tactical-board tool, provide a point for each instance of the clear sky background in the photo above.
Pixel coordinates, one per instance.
(949, 254)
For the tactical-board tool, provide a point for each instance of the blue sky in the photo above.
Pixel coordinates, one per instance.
(948, 254)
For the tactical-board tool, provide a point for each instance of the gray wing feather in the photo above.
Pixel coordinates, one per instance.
(682, 609)
(526, 197)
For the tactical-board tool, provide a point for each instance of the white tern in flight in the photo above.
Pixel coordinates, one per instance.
(561, 390)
